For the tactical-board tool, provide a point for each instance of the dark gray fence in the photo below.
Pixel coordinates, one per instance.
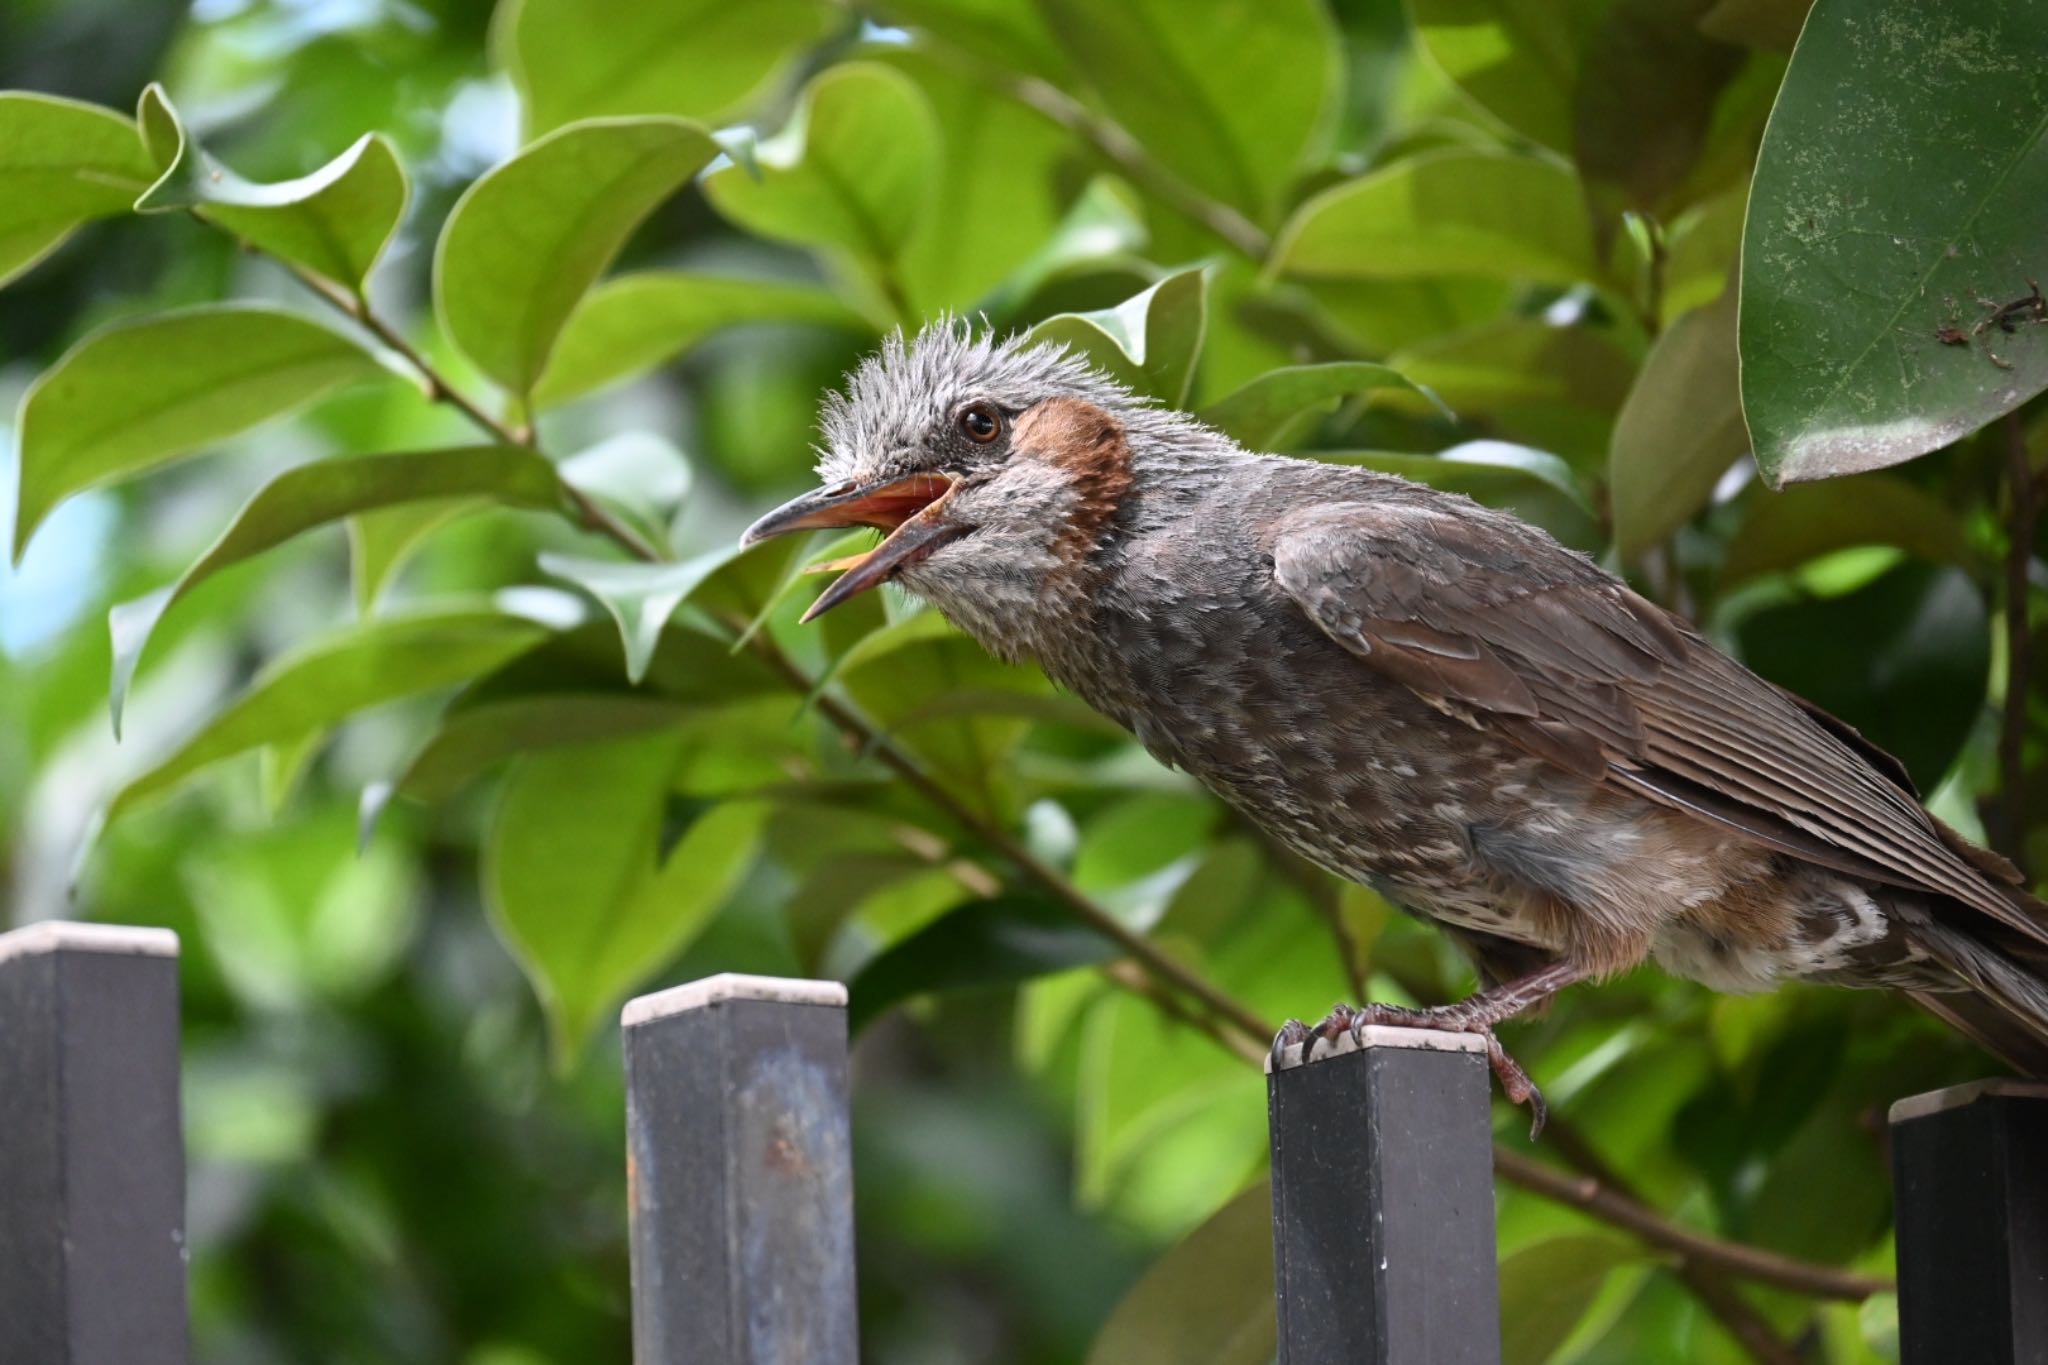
(740, 1167)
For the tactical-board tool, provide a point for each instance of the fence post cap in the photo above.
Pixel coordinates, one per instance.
(1956, 1096)
(1377, 1035)
(788, 990)
(57, 935)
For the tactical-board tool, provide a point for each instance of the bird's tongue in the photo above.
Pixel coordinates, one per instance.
(917, 537)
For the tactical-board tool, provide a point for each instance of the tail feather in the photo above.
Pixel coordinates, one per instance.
(2004, 1007)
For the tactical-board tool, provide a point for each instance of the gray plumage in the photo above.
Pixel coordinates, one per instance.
(1430, 697)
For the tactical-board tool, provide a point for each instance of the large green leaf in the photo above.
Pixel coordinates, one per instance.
(140, 393)
(1263, 412)
(1006, 34)
(526, 241)
(635, 322)
(1679, 430)
(61, 164)
(640, 597)
(1207, 1301)
(985, 943)
(326, 491)
(1484, 215)
(580, 885)
(1517, 59)
(473, 739)
(576, 59)
(1555, 388)
(1894, 200)
(1234, 101)
(335, 222)
(337, 676)
(852, 169)
(1914, 683)
(1150, 341)
(1546, 1288)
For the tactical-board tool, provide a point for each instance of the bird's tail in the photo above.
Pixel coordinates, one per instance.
(2004, 1006)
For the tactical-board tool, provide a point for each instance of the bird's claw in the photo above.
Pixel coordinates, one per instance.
(1342, 1019)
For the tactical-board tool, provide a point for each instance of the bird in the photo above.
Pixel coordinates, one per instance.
(1417, 693)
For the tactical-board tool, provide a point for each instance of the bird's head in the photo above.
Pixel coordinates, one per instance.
(993, 468)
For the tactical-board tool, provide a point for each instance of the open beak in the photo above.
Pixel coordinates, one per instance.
(912, 510)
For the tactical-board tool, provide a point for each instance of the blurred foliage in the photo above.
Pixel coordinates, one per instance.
(1493, 246)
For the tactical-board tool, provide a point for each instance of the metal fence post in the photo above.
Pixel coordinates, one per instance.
(92, 1161)
(1970, 1173)
(1383, 1238)
(740, 1167)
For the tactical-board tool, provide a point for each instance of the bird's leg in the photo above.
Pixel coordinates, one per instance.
(1476, 1013)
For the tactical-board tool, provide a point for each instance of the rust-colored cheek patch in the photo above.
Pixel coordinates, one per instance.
(1089, 446)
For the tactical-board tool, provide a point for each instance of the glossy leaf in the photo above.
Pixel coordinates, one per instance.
(62, 163)
(852, 169)
(1864, 244)
(327, 491)
(633, 323)
(981, 944)
(1012, 35)
(1258, 415)
(1516, 59)
(1150, 341)
(1555, 388)
(1546, 1288)
(381, 542)
(579, 882)
(337, 676)
(140, 393)
(1475, 214)
(335, 222)
(1679, 431)
(476, 738)
(1207, 1301)
(1915, 682)
(578, 59)
(525, 242)
(640, 597)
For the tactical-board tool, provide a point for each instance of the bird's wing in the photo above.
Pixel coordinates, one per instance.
(1496, 624)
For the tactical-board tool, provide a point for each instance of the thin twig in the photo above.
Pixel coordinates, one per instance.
(2021, 518)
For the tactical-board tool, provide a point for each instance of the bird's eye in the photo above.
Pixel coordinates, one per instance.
(981, 422)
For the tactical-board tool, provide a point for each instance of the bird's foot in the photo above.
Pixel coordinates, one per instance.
(1459, 1018)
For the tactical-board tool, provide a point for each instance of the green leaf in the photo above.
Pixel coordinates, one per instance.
(1009, 35)
(1207, 1301)
(1786, 529)
(62, 163)
(1482, 215)
(1516, 59)
(1149, 342)
(335, 222)
(526, 241)
(380, 542)
(326, 491)
(577, 59)
(640, 597)
(1533, 484)
(1555, 388)
(635, 322)
(474, 739)
(1679, 431)
(1772, 24)
(1237, 108)
(143, 392)
(1258, 415)
(852, 169)
(1915, 682)
(1888, 201)
(985, 943)
(1546, 1288)
(576, 882)
(338, 675)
